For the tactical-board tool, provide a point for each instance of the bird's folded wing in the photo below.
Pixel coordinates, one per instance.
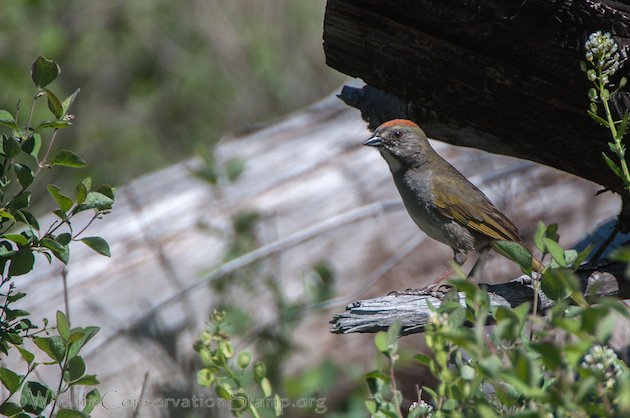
(476, 212)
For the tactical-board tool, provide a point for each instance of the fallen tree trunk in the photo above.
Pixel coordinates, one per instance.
(499, 76)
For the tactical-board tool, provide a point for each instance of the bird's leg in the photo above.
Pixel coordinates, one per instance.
(477, 269)
(433, 288)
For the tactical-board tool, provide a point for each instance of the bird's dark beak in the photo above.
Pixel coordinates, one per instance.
(374, 141)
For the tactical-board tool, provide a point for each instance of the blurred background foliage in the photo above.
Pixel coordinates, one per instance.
(163, 80)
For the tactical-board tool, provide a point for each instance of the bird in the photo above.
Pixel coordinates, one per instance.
(440, 200)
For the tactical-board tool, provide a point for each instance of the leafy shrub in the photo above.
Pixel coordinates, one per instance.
(22, 239)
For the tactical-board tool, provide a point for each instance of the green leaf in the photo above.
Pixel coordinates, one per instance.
(265, 386)
(14, 297)
(423, 359)
(570, 256)
(87, 182)
(6, 119)
(87, 380)
(54, 346)
(558, 284)
(260, 371)
(243, 359)
(54, 104)
(583, 255)
(60, 214)
(71, 413)
(223, 391)
(67, 158)
(19, 239)
(92, 399)
(611, 164)
(539, 235)
(77, 345)
(64, 239)
(556, 251)
(380, 341)
(21, 263)
(491, 365)
(44, 71)
(62, 252)
(96, 200)
(67, 103)
(19, 201)
(234, 168)
(24, 175)
(9, 379)
(613, 148)
(27, 356)
(10, 147)
(515, 252)
(33, 144)
(550, 355)
(623, 126)
(35, 397)
(53, 124)
(63, 326)
(75, 369)
(80, 193)
(597, 119)
(9, 409)
(371, 407)
(98, 244)
(6, 215)
(64, 202)
(107, 190)
(277, 404)
(393, 332)
(552, 232)
(27, 217)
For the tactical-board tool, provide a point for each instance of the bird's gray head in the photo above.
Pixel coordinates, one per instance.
(402, 143)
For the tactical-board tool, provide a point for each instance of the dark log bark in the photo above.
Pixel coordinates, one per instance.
(500, 76)
(413, 312)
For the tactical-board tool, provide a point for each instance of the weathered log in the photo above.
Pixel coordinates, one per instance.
(499, 76)
(413, 312)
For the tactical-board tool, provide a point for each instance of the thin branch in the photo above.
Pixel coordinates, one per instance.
(136, 411)
(64, 277)
(378, 314)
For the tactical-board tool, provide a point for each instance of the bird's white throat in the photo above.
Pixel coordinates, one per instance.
(394, 164)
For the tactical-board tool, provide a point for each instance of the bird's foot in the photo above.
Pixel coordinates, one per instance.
(437, 291)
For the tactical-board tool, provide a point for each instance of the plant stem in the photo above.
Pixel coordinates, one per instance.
(392, 378)
(42, 163)
(613, 131)
(30, 114)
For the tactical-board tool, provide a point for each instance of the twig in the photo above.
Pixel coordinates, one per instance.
(64, 276)
(144, 386)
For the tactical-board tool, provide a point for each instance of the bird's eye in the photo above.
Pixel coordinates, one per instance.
(397, 134)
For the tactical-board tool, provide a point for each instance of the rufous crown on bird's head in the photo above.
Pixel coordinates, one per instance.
(395, 122)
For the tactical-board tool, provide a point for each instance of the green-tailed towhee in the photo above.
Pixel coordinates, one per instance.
(439, 199)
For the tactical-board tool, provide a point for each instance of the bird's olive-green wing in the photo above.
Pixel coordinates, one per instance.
(467, 205)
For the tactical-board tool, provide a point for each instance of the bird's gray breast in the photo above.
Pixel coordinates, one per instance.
(416, 189)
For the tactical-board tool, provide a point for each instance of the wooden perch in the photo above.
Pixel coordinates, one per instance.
(499, 76)
(373, 315)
